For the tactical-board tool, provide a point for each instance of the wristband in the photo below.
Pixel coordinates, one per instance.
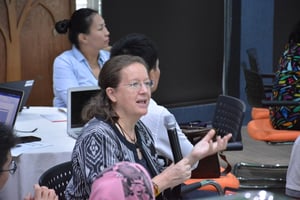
(156, 189)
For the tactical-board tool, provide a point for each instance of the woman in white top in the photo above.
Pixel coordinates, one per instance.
(81, 65)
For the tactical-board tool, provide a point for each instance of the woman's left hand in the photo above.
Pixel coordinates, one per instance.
(206, 146)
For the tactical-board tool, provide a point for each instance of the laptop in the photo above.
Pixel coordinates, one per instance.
(10, 102)
(23, 85)
(77, 98)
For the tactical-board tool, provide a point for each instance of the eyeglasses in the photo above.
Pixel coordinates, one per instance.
(138, 85)
(12, 168)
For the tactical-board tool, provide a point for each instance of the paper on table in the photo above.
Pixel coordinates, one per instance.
(22, 148)
(55, 117)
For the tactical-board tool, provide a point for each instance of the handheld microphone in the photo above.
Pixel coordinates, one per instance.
(170, 124)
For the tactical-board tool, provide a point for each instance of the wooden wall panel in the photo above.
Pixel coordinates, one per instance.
(2, 59)
(27, 30)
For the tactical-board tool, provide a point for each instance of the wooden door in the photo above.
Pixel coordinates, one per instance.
(29, 44)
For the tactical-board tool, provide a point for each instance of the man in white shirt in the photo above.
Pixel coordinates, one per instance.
(140, 45)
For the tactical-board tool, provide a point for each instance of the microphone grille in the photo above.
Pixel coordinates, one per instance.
(170, 122)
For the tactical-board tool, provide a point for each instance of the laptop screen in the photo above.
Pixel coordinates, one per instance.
(10, 101)
(23, 85)
(78, 98)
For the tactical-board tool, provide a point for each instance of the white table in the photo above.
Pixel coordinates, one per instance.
(34, 161)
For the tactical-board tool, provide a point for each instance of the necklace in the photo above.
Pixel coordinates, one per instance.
(126, 135)
(132, 140)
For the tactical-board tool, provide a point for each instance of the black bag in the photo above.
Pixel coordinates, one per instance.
(208, 167)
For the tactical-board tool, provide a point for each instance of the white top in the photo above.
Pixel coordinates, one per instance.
(154, 120)
(71, 69)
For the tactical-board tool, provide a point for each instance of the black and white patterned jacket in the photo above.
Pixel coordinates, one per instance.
(101, 145)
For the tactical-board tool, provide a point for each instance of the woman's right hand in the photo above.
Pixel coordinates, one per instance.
(173, 175)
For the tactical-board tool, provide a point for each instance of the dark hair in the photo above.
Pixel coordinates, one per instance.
(109, 77)
(294, 36)
(7, 141)
(80, 22)
(138, 45)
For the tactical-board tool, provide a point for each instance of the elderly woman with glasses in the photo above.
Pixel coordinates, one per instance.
(115, 133)
(9, 166)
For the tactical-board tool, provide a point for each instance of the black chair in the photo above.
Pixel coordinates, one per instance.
(261, 175)
(257, 95)
(228, 118)
(255, 90)
(254, 64)
(253, 61)
(57, 178)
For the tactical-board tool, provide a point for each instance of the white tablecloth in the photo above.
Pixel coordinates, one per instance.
(56, 147)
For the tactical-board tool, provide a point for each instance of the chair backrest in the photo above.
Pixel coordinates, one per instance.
(254, 88)
(228, 118)
(252, 57)
(57, 178)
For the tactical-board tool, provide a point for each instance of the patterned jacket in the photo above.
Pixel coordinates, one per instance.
(100, 146)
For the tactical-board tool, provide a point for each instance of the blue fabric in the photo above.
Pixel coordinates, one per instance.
(71, 69)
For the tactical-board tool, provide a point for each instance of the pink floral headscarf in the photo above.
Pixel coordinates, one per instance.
(123, 181)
